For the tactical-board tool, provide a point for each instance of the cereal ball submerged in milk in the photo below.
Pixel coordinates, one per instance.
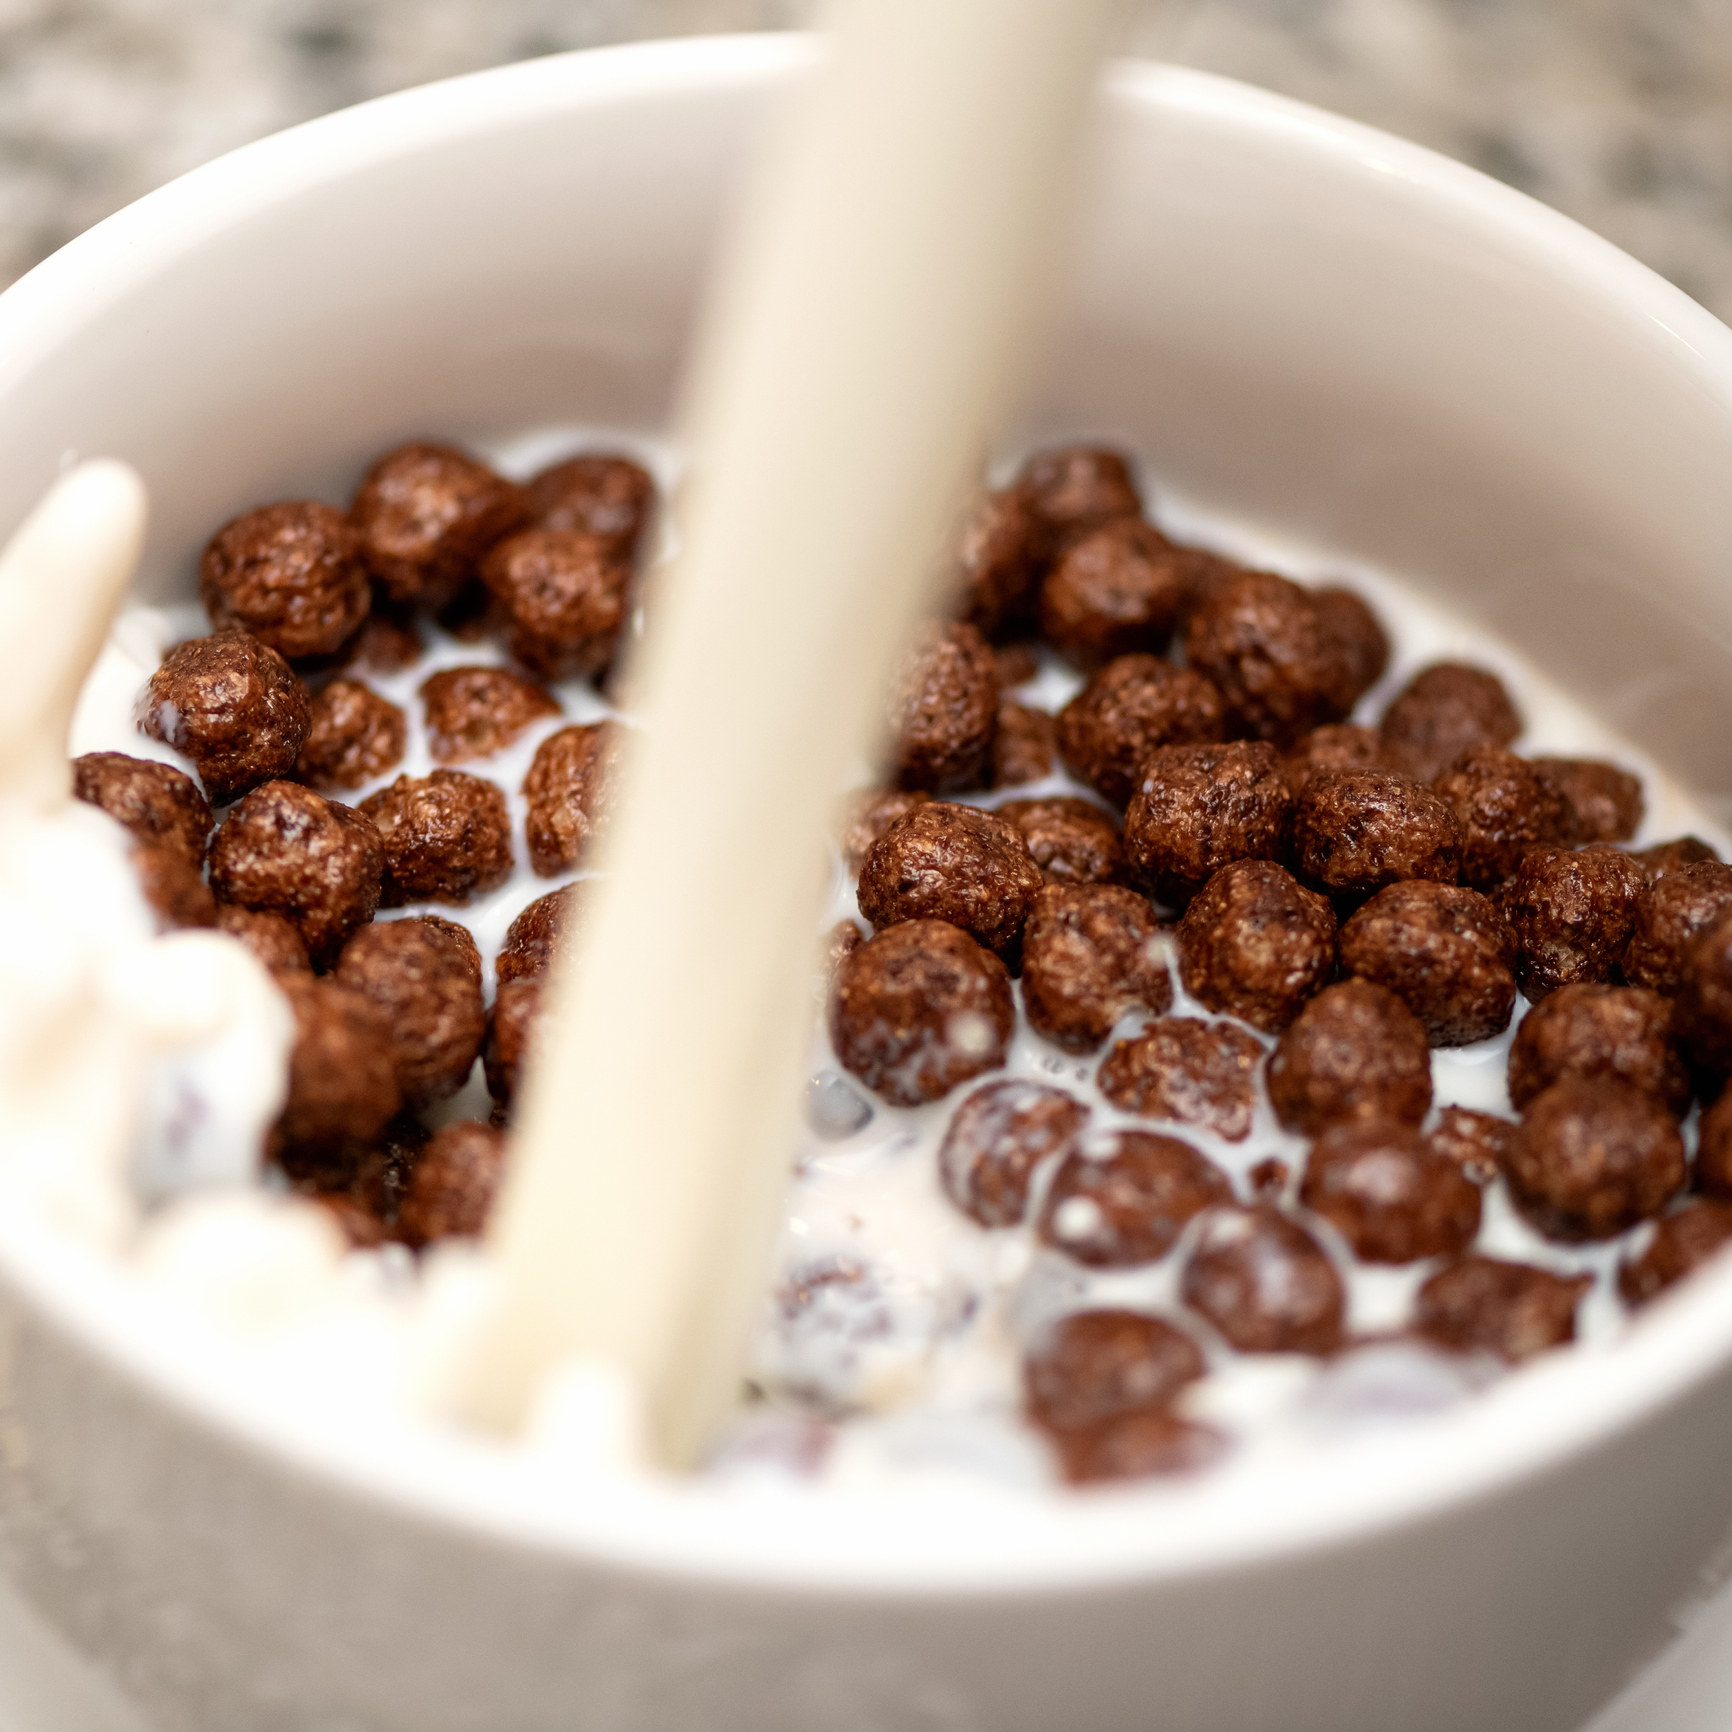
(944, 710)
(1116, 591)
(1090, 953)
(1354, 1052)
(1097, 1365)
(445, 837)
(563, 596)
(353, 735)
(1445, 710)
(1072, 841)
(342, 1078)
(1187, 1070)
(291, 574)
(451, 1190)
(1511, 1309)
(159, 804)
(473, 712)
(1681, 1244)
(1123, 1197)
(1478, 1143)
(1586, 1031)
(1264, 1283)
(998, 1137)
(1135, 704)
(233, 706)
(1390, 1195)
(569, 788)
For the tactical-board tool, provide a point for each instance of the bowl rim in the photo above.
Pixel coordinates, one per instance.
(917, 1545)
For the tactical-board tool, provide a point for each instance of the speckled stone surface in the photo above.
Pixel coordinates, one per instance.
(1617, 111)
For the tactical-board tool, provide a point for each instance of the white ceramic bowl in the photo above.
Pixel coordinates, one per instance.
(1317, 327)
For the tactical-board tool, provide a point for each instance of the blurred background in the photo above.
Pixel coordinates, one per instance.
(1617, 111)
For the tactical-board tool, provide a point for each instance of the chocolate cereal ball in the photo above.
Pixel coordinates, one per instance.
(159, 804)
(1355, 831)
(1665, 857)
(1705, 999)
(569, 788)
(1485, 1305)
(286, 850)
(1714, 1148)
(1024, 744)
(422, 981)
(1193, 1072)
(918, 1009)
(1097, 1365)
(1671, 914)
(1389, 1194)
(1354, 1052)
(1586, 1031)
(291, 574)
(354, 736)
(562, 596)
(944, 710)
(1594, 1156)
(1072, 841)
(534, 938)
(453, 1185)
(510, 1030)
(1132, 706)
(1572, 915)
(1262, 641)
(1090, 954)
(996, 558)
(1256, 944)
(387, 643)
(1199, 808)
(461, 940)
(172, 887)
(1264, 1283)
(426, 514)
(233, 706)
(952, 863)
(1017, 664)
(1334, 746)
(1442, 949)
(610, 498)
(1135, 1446)
(342, 1083)
(446, 837)
(1601, 802)
(1116, 590)
(1445, 710)
(1504, 806)
(473, 712)
(867, 816)
(1123, 1197)
(1681, 1244)
(1072, 489)
(1478, 1143)
(1001, 1133)
(1348, 619)
(273, 941)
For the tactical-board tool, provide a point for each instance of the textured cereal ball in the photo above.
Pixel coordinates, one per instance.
(1132, 706)
(1199, 808)
(233, 706)
(473, 712)
(952, 863)
(1256, 944)
(446, 837)
(1117, 590)
(919, 1009)
(1705, 999)
(291, 574)
(421, 980)
(1355, 831)
(1594, 1156)
(342, 1083)
(944, 710)
(562, 596)
(1714, 1148)
(385, 644)
(1671, 914)
(1097, 1365)
(1390, 1195)
(273, 941)
(1348, 619)
(1444, 950)
(1072, 841)
(354, 736)
(996, 558)
(1681, 1244)
(1482, 1304)
(1187, 1070)
(1139, 1445)
(1024, 744)
(172, 887)
(569, 789)
(1572, 915)
(454, 1183)
(461, 940)
(535, 937)
(999, 1136)
(159, 804)
(1673, 856)
(1262, 641)
(1585, 1031)
(1123, 1197)
(1090, 954)
(605, 496)
(1445, 710)
(1264, 1283)
(286, 850)
(867, 816)
(1072, 489)
(510, 1030)
(425, 515)
(1334, 746)
(1478, 1143)
(1017, 664)
(1601, 802)
(843, 939)
(1504, 806)
(1354, 1052)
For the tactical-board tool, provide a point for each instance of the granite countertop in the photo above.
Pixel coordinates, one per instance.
(1617, 111)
